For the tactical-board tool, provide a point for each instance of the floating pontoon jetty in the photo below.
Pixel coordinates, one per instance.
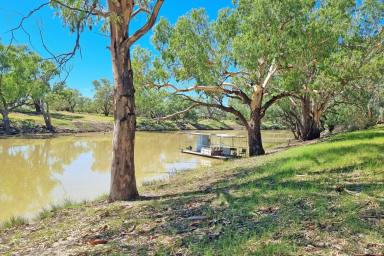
(219, 146)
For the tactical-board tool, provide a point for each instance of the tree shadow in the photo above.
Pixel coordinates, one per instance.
(68, 117)
(270, 202)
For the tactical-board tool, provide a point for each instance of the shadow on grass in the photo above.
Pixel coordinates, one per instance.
(68, 117)
(271, 208)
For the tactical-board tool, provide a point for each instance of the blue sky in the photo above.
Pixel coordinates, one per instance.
(95, 60)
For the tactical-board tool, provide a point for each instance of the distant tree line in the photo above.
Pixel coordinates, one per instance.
(30, 83)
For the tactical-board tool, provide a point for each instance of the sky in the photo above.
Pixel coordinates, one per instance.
(94, 62)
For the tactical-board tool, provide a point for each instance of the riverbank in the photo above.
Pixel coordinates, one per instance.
(66, 122)
(319, 199)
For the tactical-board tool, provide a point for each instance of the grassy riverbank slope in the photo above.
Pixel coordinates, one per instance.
(66, 122)
(319, 199)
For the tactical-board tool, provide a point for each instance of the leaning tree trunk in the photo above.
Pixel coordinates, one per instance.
(46, 116)
(36, 103)
(310, 123)
(123, 181)
(106, 111)
(255, 142)
(6, 122)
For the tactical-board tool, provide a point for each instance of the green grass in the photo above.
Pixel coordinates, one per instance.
(210, 124)
(30, 122)
(13, 222)
(320, 199)
(50, 211)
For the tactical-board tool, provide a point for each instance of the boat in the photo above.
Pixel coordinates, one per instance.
(218, 146)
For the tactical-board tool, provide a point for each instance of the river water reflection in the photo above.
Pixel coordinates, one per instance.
(36, 173)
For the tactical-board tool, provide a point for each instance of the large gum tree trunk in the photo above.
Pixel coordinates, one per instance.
(123, 181)
(311, 126)
(6, 122)
(255, 142)
(254, 125)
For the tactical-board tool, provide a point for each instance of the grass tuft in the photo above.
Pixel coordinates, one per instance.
(13, 222)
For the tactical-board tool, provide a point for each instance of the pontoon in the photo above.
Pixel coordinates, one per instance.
(219, 146)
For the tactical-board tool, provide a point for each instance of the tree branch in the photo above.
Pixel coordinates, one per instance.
(92, 11)
(219, 106)
(139, 10)
(177, 113)
(272, 101)
(271, 72)
(63, 58)
(21, 23)
(235, 74)
(147, 26)
(213, 89)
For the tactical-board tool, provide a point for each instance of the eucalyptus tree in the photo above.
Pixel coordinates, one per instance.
(343, 47)
(18, 67)
(244, 56)
(63, 98)
(117, 16)
(103, 95)
(42, 90)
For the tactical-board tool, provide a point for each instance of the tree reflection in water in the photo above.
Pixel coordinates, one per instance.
(156, 155)
(35, 173)
(26, 171)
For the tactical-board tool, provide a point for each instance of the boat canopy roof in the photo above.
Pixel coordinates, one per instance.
(221, 135)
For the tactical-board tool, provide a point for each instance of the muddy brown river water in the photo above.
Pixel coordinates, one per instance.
(37, 173)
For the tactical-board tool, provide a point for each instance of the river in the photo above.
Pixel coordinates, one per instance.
(37, 173)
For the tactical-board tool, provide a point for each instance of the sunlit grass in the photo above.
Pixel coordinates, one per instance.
(304, 200)
(60, 118)
(87, 121)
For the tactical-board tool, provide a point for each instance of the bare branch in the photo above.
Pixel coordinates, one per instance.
(21, 23)
(218, 106)
(236, 74)
(177, 113)
(271, 72)
(63, 58)
(238, 94)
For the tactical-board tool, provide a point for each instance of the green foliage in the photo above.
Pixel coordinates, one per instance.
(103, 95)
(46, 72)
(18, 67)
(151, 102)
(330, 51)
(87, 105)
(63, 98)
(236, 52)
